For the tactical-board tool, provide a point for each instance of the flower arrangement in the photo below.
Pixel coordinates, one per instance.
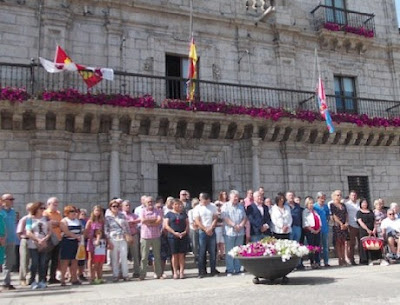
(313, 249)
(270, 246)
(362, 31)
(147, 101)
(14, 94)
(119, 100)
(332, 26)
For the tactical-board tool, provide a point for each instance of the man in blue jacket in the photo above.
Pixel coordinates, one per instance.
(258, 216)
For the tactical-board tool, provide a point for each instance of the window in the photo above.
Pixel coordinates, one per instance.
(345, 94)
(335, 12)
(176, 73)
(360, 185)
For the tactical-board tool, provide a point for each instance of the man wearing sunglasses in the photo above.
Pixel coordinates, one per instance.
(391, 233)
(8, 213)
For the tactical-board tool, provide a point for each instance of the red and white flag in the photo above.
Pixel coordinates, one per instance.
(62, 62)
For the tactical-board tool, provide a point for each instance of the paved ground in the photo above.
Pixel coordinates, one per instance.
(349, 285)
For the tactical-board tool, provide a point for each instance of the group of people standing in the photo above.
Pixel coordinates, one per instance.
(52, 241)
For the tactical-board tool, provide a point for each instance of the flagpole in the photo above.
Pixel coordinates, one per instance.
(191, 20)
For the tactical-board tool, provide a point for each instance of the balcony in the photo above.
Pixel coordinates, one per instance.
(336, 19)
(334, 24)
(36, 80)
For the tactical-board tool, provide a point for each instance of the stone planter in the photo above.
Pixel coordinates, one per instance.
(269, 267)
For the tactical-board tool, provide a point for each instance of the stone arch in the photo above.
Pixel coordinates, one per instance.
(163, 128)
(105, 124)
(230, 133)
(28, 120)
(6, 120)
(50, 121)
(181, 128)
(125, 124)
(70, 122)
(87, 123)
(144, 127)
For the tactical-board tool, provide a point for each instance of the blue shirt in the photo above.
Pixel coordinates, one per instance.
(11, 225)
(297, 215)
(236, 214)
(323, 213)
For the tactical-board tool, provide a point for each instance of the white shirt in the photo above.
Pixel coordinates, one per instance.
(206, 214)
(191, 217)
(352, 209)
(390, 225)
(281, 218)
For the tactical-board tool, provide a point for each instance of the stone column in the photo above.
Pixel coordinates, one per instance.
(255, 162)
(115, 169)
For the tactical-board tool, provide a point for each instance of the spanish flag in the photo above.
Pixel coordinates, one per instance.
(192, 74)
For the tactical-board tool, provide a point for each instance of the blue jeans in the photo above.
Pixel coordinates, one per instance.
(38, 265)
(325, 248)
(255, 238)
(207, 243)
(232, 264)
(295, 234)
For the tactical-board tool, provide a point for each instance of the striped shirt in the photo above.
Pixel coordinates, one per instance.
(74, 226)
(146, 231)
(236, 214)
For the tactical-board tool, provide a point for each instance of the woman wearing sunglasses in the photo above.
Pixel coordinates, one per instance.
(71, 227)
(117, 231)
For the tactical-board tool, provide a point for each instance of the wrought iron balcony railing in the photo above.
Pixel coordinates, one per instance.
(337, 19)
(36, 80)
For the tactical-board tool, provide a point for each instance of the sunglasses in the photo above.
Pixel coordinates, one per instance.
(11, 199)
(390, 214)
(73, 211)
(115, 206)
(42, 208)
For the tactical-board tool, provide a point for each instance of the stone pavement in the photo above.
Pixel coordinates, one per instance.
(347, 285)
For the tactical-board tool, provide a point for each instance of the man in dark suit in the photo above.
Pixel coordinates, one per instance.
(260, 221)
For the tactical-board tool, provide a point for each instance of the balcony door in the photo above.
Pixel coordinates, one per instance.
(345, 94)
(335, 11)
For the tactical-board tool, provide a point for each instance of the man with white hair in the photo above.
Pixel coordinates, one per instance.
(54, 216)
(235, 220)
(259, 218)
(395, 207)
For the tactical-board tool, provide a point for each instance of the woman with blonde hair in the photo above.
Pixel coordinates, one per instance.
(340, 227)
(72, 229)
(312, 228)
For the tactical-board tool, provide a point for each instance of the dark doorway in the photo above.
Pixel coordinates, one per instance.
(194, 178)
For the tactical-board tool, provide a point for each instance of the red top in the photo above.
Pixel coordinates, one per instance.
(316, 221)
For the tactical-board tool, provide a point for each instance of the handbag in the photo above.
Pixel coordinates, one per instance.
(372, 243)
(81, 252)
(54, 239)
(128, 238)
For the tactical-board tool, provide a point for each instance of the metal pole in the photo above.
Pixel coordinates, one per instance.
(191, 20)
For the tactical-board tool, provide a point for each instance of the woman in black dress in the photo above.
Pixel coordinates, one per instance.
(177, 224)
(340, 227)
(366, 220)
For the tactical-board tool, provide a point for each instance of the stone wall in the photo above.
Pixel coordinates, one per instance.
(88, 167)
(136, 36)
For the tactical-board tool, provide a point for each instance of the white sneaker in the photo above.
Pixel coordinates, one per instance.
(34, 285)
(371, 264)
(229, 274)
(384, 263)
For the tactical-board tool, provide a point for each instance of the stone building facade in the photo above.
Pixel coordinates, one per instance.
(119, 152)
